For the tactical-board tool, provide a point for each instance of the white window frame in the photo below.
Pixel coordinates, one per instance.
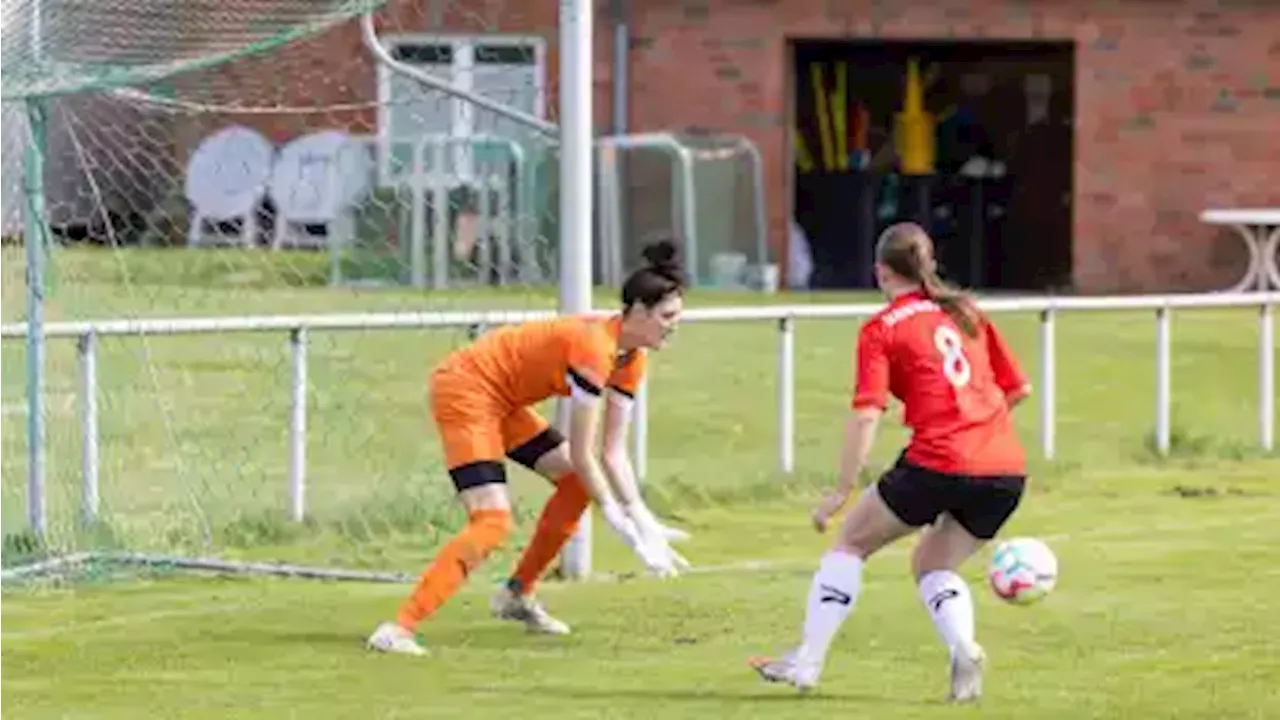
(462, 63)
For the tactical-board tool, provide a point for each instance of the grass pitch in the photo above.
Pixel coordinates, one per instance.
(1164, 608)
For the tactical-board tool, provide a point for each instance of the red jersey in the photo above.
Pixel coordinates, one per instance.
(953, 387)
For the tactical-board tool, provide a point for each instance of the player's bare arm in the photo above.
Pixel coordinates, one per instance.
(621, 473)
(859, 436)
(583, 433)
(583, 430)
(616, 459)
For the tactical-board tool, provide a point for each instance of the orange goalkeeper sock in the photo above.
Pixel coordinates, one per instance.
(558, 523)
(485, 530)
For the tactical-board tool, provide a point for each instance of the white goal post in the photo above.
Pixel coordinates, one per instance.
(576, 134)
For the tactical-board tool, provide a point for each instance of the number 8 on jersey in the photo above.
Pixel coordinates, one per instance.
(955, 366)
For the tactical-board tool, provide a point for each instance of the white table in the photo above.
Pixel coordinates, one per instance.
(1259, 228)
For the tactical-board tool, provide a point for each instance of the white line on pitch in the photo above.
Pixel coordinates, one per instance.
(1118, 533)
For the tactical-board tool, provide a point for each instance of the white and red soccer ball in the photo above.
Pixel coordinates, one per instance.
(1022, 571)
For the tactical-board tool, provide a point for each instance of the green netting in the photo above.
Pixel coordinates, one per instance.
(175, 160)
(56, 47)
(144, 119)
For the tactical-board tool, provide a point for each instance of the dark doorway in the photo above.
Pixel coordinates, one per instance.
(998, 199)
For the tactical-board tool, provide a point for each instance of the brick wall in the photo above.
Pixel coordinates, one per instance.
(1178, 102)
(1178, 107)
(335, 69)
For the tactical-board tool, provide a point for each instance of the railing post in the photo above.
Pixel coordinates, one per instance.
(1163, 380)
(640, 431)
(1048, 383)
(90, 498)
(298, 426)
(1266, 379)
(786, 394)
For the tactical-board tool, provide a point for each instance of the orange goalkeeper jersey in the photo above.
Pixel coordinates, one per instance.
(521, 365)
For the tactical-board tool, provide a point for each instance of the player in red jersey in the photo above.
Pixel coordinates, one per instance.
(962, 474)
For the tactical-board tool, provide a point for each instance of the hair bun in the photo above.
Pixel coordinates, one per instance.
(661, 255)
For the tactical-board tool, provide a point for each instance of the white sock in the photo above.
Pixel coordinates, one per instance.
(831, 599)
(947, 599)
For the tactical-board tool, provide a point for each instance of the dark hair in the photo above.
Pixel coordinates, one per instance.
(907, 249)
(660, 276)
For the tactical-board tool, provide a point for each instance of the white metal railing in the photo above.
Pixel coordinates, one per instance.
(299, 328)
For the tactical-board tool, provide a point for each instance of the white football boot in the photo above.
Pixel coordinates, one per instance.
(788, 669)
(391, 638)
(967, 661)
(508, 605)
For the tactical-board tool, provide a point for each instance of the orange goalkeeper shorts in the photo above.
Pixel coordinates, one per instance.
(473, 425)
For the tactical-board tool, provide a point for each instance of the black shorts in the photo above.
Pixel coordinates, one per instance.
(981, 504)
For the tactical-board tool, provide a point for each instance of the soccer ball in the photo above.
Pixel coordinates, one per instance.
(1022, 571)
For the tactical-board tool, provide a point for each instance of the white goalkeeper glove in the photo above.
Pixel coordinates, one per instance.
(657, 559)
(654, 534)
(673, 534)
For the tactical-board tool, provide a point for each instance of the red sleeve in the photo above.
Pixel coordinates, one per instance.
(871, 379)
(1008, 375)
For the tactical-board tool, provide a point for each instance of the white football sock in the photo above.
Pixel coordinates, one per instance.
(831, 599)
(947, 599)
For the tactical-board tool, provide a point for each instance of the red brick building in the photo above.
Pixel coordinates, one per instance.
(1177, 103)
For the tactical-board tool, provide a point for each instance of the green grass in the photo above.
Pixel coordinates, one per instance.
(1168, 564)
